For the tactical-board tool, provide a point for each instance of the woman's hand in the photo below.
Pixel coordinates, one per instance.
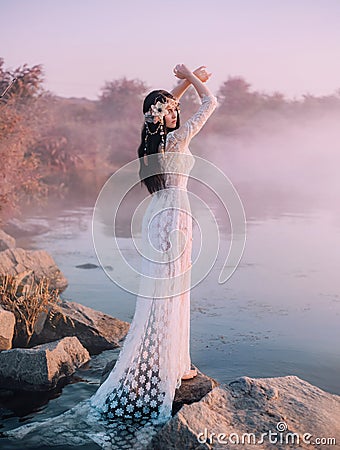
(182, 72)
(202, 74)
(197, 79)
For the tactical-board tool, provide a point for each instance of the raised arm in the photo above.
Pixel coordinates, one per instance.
(180, 138)
(183, 84)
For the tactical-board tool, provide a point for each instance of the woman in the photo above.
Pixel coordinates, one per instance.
(155, 357)
(136, 398)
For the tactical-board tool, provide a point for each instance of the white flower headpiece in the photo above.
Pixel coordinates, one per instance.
(156, 114)
(159, 110)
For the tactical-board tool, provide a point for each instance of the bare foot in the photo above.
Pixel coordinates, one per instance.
(192, 373)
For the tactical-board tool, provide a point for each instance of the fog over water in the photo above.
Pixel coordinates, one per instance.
(298, 162)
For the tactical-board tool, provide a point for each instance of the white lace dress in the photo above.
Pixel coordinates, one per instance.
(137, 396)
(155, 354)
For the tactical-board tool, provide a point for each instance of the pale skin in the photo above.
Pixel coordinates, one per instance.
(197, 78)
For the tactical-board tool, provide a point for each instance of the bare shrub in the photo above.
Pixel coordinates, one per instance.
(27, 301)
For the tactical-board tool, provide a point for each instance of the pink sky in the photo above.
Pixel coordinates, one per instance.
(291, 46)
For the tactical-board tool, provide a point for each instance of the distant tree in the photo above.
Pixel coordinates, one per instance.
(5, 80)
(54, 151)
(274, 101)
(19, 115)
(28, 84)
(321, 103)
(235, 97)
(121, 99)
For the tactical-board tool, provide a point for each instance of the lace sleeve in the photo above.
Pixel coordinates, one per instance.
(181, 137)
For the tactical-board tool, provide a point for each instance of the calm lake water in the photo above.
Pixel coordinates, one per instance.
(277, 315)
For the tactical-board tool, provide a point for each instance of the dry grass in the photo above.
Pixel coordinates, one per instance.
(27, 302)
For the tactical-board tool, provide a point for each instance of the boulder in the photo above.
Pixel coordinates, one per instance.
(247, 407)
(6, 241)
(192, 390)
(95, 330)
(34, 265)
(7, 324)
(41, 368)
(18, 228)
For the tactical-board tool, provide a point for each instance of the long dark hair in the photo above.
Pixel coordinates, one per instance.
(156, 181)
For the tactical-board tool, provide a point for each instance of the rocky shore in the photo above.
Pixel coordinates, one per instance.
(267, 413)
(65, 333)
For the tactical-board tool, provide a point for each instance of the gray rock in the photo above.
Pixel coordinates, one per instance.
(192, 390)
(7, 324)
(34, 264)
(6, 241)
(87, 266)
(255, 406)
(42, 367)
(18, 228)
(95, 330)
